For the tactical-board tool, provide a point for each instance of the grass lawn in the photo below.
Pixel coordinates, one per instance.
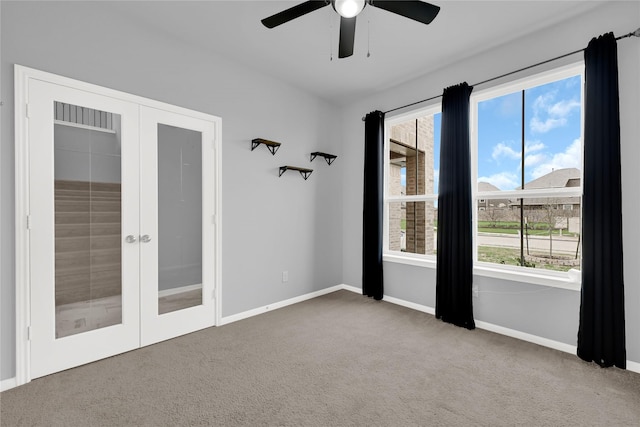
(511, 257)
(513, 227)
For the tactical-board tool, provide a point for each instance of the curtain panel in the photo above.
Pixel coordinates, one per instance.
(601, 334)
(454, 274)
(372, 284)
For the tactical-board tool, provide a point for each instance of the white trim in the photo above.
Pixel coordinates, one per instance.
(22, 210)
(27, 73)
(410, 259)
(523, 336)
(537, 79)
(633, 366)
(532, 192)
(545, 342)
(276, 305)
(351, 289)
(178, 290)
(411, 305)
(217, 220)
(549, 278)
(22, 76)
(8, 384)
(413, 198)
(81, 126)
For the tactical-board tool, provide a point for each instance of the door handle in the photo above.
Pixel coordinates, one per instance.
(145, 239)
(130, 238)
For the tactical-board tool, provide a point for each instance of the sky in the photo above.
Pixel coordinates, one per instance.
(552, 133)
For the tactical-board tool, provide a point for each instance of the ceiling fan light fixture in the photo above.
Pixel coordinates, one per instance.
(348, 8)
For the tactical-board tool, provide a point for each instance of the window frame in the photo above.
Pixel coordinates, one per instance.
(398, 256)
(518, 273)
(556, 279)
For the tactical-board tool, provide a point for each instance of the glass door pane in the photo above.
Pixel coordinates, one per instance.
(87, 194)
(179, 218)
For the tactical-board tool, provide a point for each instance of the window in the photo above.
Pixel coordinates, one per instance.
(527, 138)
(526, 148)
(411, 184)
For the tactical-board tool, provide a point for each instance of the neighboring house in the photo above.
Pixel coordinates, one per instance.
(561, 212)
(484, 204)
(560, 178)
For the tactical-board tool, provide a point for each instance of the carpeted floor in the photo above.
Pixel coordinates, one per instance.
(338, 360)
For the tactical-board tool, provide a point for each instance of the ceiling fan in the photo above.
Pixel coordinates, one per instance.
(348, 10)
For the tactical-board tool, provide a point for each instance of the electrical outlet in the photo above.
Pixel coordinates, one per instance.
(474, 291)
(285, 276)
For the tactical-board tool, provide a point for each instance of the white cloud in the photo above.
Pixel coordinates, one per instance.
(503, 150)
(548, 114)
(534, 159)
(538, 126)
(569, 158)
(533, 146)
(563, 108)
(502, 180)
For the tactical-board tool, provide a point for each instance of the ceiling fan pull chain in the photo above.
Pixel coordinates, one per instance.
(330, 37)
(368, 38)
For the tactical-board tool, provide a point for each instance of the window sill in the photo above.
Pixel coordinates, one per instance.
(410, 259)
(547, 278)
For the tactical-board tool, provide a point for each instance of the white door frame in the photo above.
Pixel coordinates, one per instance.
(22, 77)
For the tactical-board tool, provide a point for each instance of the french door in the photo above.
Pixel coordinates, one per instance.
(121, 223)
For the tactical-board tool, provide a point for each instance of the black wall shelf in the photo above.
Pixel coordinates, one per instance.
(328, 157)
(271, 145)
(303, 171)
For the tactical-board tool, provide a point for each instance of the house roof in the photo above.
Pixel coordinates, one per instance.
(485, 186)
(559, 178)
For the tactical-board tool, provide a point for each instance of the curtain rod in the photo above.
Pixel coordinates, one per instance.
(635, 33)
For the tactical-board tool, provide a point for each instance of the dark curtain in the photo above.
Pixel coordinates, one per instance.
(454, 274)
(601, 335)
(372, 208)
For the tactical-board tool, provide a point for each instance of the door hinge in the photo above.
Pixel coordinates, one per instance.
(27, 111)
(213, 293)
(28, 222)
(28, 333)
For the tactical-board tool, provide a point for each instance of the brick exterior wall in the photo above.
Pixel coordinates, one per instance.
(419, 216)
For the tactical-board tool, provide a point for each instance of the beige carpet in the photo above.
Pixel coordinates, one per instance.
(338, 360)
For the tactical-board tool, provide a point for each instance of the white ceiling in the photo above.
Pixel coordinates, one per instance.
(299, 52)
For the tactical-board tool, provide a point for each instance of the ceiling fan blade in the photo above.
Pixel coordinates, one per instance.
(293, 13)
(347, 36)
(416, 10)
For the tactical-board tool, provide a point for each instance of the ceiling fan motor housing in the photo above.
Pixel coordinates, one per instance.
(348, 8)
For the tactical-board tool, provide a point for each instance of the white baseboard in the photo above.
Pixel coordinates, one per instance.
(276, 305)
(351, 289)
(545, 342)
(8, 384)
(409, 304)
(633, 366)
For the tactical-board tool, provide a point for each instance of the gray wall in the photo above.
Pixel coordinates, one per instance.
(546, 312)
(270, 224)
